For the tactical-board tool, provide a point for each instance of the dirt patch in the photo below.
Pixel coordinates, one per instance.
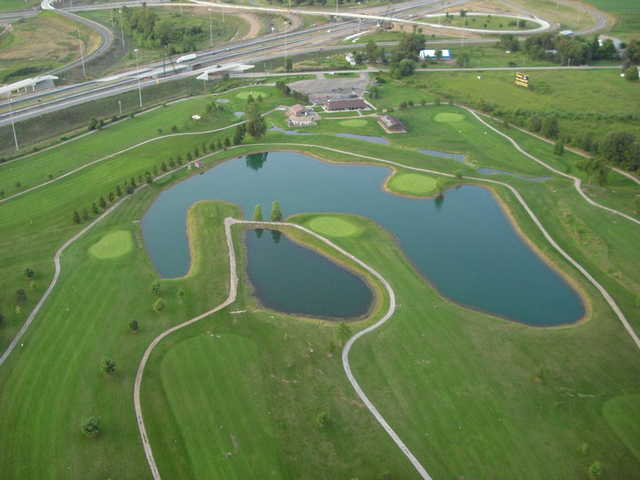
(254, 25)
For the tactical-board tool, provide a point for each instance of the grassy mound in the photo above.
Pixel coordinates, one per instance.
(447, 117)
(254, 93)
(333, 226)
(112, 245)
(413, 184)
(354, 122)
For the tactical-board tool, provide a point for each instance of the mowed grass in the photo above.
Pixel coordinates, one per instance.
(334, 226)
(9, 5)
(621, 412)
(112, 245)
(41, 43)
(627, 16)
(414, 184)
(469, 382)
(483, 22)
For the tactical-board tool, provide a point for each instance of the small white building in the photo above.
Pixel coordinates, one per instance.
(351, 60)
(445, 54)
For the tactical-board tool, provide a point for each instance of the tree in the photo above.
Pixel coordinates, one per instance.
(134, 326)
(93, 124)
(163, 166)
(118, 191)
(595, 470)
(29, 273)
(371, 51)
(257, 213)
(404, 68)
(276, 213)
(181, 293)
(558, 149)
(91, 427)
(158, 305)
(322, 419)
(227, 143)
(76, 217)
(619, 148)
(94, 207)
(631, 73)
(21, 296)
(550, 127)
(103, 203)
(155, 288)
(238, 135)
(288, 65)
(108, 366)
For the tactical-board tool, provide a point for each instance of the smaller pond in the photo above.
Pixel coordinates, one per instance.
(314, 285)
(458, 157)
(366, 138)
(493, 171)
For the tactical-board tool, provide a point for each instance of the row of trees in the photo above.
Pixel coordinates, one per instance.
(567, 50)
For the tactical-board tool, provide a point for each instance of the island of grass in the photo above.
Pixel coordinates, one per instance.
(112, 245)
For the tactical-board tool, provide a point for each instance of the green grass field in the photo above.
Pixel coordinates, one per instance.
(627, 16)
(9, 5)
(353, 123)
(112, 245)
(239, 395)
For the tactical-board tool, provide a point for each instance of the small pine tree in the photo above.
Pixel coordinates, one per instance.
(558, 149)
(134, 326)
(118, 191)
(158, 305)
(76, 217)
(163, 166)
(103, 203)
(94, 207)
(181, 293)
(257, 213)
(227, 143)
(276, 212)
(155, 288)
(29, 273)
(91, 427)
(108, 366)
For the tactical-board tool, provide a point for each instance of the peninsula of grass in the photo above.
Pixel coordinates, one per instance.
(412, 184)
(245, 387)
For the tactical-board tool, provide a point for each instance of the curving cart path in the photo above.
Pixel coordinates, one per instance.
(233, 289)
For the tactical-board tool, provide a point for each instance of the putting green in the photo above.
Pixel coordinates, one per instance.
(334, 226)
(413, 184)
(354, 122)
(445, 117)
(112, 245)
(254, 93)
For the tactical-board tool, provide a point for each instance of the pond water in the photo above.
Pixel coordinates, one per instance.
(462, 242)
(314, 285)
(458, 157)
(493, 171)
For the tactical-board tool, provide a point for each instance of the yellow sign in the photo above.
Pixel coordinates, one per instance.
(522, 79)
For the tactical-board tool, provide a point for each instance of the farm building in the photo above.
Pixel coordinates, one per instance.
(336, 105)
(301, 116)
(444, 54)
(391, 124)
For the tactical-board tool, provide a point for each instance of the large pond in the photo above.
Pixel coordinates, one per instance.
(463, 243)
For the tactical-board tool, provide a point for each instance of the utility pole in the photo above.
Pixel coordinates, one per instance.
(138, 71)
(84, 69)
(13, 125)
(120, 106)
(210, 30)
(122, 31)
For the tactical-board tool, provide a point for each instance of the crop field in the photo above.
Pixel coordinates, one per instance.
(29, 49)
(575, 97)
(252, 393)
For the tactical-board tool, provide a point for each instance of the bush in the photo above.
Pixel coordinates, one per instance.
(91, 427)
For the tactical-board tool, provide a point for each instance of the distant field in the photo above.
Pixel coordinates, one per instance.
(566, 16)
(591, 100)
(41, 43)
(9, 5)
(627, 13)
